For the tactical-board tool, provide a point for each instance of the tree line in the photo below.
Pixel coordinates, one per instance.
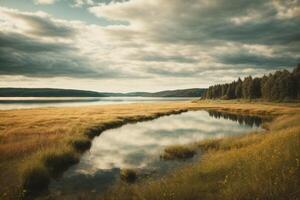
(281, 85)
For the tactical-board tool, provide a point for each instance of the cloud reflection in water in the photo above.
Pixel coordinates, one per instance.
(139, 145)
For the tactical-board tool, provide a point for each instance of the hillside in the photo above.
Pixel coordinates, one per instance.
(46, 92)
(193, 92)
(49, 92)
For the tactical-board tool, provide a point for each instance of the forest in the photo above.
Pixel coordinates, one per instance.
(282, 85)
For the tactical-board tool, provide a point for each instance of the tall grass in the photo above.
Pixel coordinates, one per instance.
(38, 144)
(37, 170)
(41, 157)
(128, 175)
(178, 152)
(35, 177)
(80, 144)
(257, 166)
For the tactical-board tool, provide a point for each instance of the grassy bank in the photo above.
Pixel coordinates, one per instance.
(39, 144)
(178, 152)
(256, 166)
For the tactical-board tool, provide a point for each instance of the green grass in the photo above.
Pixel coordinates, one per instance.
(256, 166)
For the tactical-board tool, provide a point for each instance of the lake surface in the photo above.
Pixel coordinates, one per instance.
(9, 103)
(138, 146)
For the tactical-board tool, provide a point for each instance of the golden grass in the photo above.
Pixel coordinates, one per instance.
(178, 152)
(255, 166)
(128, 175)
(47, 140)
(37, 141)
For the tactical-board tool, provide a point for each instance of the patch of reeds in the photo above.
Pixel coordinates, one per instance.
(128, 175)
(178, 152)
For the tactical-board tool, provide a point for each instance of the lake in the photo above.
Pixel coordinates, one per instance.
(9, 103)
(138, 146)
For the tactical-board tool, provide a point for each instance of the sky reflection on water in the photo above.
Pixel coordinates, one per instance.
(139, 145)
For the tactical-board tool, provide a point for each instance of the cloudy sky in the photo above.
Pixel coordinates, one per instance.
(144, 45)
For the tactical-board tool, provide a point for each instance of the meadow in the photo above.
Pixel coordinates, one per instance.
(259, 165)
(39, 144)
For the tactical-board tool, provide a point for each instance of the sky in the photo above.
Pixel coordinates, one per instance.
(144, 45)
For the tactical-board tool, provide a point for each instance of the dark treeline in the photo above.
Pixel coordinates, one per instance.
(241, 119)
(282, 85)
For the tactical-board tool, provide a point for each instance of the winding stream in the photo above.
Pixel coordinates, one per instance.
(139, 145)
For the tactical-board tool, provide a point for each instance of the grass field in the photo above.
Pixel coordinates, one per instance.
(37, 144)
(258, 166)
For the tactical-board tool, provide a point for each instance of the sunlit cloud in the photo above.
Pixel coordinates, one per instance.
(185, 42)
(44, 1)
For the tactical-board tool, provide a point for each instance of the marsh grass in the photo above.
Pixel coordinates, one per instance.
(209, 144)
(35, 178)
(38, 170)
(53, 157)
(128, 175)
(56, 161)
(80, 144)
(178, 152)
(38, 144)
(255, 166)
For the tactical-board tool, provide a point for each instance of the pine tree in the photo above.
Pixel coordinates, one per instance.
(238, 89)
(246, 86)
(296, 77)
(282, 85)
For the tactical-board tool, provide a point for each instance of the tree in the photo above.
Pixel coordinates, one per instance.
(296, 77)
(254, 88)
(238, 89)
(246, 86)
(282, 85)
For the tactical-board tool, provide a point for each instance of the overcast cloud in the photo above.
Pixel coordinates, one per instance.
(160, 44)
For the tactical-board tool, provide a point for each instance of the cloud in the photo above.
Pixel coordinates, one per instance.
(176, 41)
(287, 9)
(163, 57)
(195, 21)
(255, 60)
(36, 45)
(81, 3)
(39, 24)
(21, 55)
(44, 1)
(207, 25)
(20, 42)
(44, 26)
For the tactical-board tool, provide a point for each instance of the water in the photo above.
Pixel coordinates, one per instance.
(9, 103)
(138, 146)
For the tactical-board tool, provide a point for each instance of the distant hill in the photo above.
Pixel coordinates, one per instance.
(194, 92)
(46, 92)
(50, 92)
